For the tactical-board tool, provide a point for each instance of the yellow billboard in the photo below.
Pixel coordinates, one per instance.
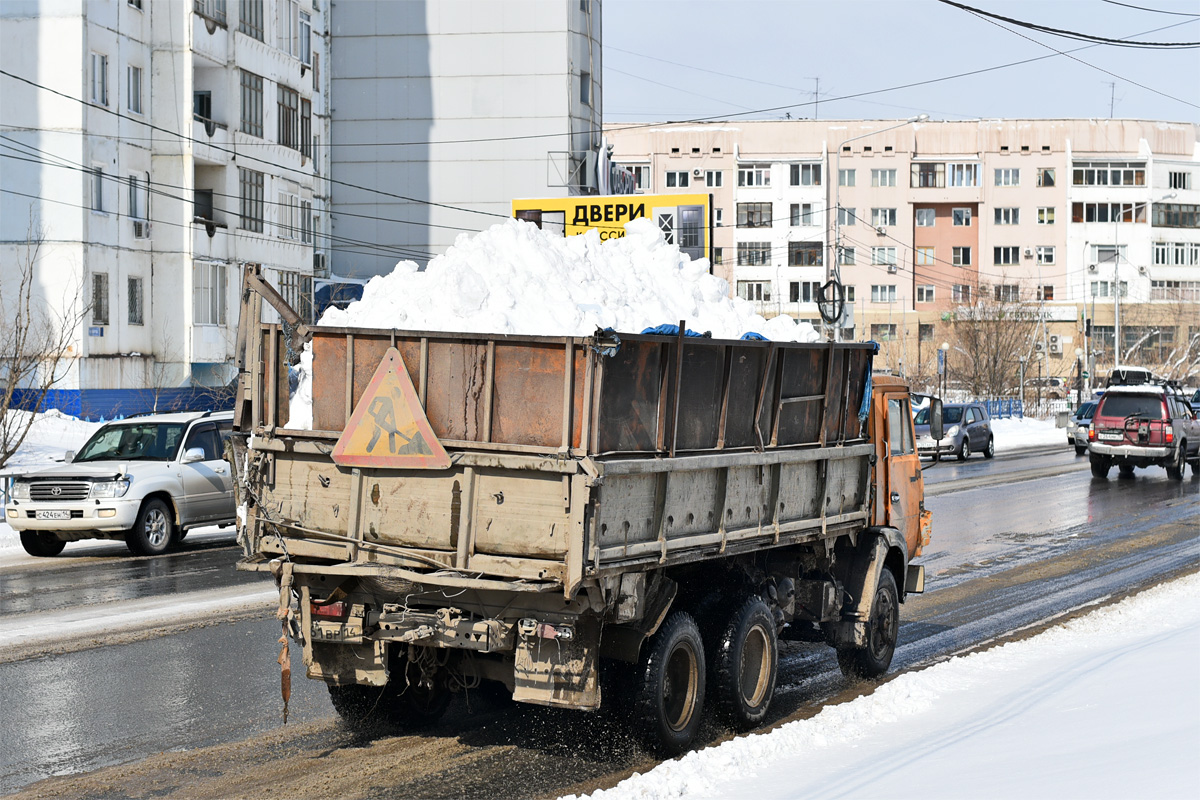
(684, 219)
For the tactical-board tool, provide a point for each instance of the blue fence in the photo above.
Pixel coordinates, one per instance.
(1004, 408)
(104, 404)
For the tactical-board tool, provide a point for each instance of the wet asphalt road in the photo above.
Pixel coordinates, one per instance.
(1016, 541)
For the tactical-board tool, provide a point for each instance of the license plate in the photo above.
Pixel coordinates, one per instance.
(1111, 437)
(53, 515)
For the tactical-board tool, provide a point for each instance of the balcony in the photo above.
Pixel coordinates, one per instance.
(211, 140)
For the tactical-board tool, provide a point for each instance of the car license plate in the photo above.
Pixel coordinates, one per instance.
(53, 515)
(1111, 437)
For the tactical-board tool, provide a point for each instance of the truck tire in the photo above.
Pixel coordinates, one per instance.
(883, 630)
(401, 703)
(154, 531)
(1178, 464)
(745, 665)
(668, 687)
(41, 544)
(1100, 466)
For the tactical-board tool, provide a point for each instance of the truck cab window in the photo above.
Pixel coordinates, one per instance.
(900, 435)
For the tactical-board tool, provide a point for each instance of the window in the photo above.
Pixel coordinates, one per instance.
(297, 291)
(1045, 292)
(585, 88)
(1179, 180)
(202, 105)
(678, 179)
(98, 189)
(883, 255)
(306, 148)
(1045, 176)
(883, 217)
(718, 216)
(134, 299)
(288, 117)
(1008, 216)
(961, 217)
(754, 290)
(1045, 254)
(753, 254)
(924, 332)
(208, 293)
(925, 256)
(252, 184)
(754, 215)
(1006, 256)
(926, 176)
(846, 257)
(1008, 177)
(641, 176)
(1110, 173)
(99, 298)
(1176, 215)
(133, 89)
(960, 293)
(845, 177)
(1107, 253)
(925, 217)
(305, 38)
(1007, 293)
(1046, 215)
(849, 294)
(883, 177)
(213, 9)
(961, 256)
(252, 103)
(99, 79)
(846, 216)
(803, 291)
(883, 293)
(925, 294)
(250, 19)
(1108, 212)
(288, 27)
(754, 175)
(718, 255)
(963, 174)
(1175, 290)
(805, 254)
(806, 174)
(139, 196)
(135, 4)
(884, 332)
(1105, 289)
(714, 178)
(1176, 254)
(802, 214)
(288, 224)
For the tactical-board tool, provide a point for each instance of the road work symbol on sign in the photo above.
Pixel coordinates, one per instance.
(389, 428)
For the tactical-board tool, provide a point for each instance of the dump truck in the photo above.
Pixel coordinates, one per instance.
(622, 521)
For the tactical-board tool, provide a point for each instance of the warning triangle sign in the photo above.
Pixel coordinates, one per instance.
(389, 428)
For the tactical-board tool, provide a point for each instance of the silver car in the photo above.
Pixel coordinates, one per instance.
(1078, 425)
(967, 429)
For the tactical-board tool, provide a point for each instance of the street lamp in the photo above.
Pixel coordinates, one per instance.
(945, 351)
(1078, 377)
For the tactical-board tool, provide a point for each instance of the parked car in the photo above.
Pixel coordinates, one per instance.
(1077, 427)
(967, 429)
(1195, 402)
(1141, 426)
(145, 479)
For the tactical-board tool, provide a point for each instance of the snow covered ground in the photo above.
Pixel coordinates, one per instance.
(1105, 706)
(1018, 434)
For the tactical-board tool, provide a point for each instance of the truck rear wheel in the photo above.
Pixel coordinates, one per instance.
(745, 664)
(41, 544)
(883, 630)
(669, 686)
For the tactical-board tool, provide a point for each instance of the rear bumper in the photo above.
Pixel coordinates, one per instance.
(1130, 451)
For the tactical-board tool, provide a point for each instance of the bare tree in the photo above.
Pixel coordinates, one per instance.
(988, 338)
(1163, 336)
(37, 343)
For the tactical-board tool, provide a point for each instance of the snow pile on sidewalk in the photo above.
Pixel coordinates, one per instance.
(1015, 433)
(1104, 706)
(517, 279)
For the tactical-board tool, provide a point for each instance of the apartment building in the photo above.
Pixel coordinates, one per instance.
(1092, 223)
(447, 110)
(153, 149)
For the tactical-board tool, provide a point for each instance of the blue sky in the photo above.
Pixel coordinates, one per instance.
(674, 60)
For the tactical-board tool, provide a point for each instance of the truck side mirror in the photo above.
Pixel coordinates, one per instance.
(935, 418)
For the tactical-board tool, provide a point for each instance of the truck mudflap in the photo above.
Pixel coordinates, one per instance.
(551, 669)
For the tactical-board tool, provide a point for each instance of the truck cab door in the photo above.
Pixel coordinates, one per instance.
(905, 486)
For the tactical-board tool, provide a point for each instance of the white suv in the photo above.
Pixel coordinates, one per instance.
(145, 479)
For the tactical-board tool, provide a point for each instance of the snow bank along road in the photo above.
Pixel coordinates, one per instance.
(1034, 542)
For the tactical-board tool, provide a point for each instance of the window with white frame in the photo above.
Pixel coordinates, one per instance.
(1045, 215)
(135, 301)
(99, 79)
(714, 178)
(962, 174)
(924, 256)
(1045, 254)
(926, 217)
(883, 293)
(296, 289)
(718, 216)
(1187, 291)
(287, 224)
(846, 216)
(133, 89)
(288, 26)
(753, 254)
(308, 222)
(754, 290)
(1008, 176)
(846, 257)
(209, 284)
(139, 196)
(1108, 253)
(641, 176)
(754, 175)
(1007, 293)
(1006, 256)
(99, 298)
(1045, 176)
(1179, 180)
(883, 177)
(961, 217)
(806, 174)
(1108, 173)
(845, 177)
(883, 255)
(803, 291)
(678, 179)
(1105, 288)
(305, 38)
(1045, 292)
(802, 214)
(1008, 216)
(883, 217)
(960, 256)
(925, 294)
(97, 182)
(960, 293)
(849, 292)
(1177, 254)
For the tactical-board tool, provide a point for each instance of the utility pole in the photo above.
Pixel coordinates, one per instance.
(1112, 98)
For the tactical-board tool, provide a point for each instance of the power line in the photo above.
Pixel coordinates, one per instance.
(1068, 34)
(1152, 10)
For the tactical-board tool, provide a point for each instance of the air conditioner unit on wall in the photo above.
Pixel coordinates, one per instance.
(696, 173)
(1142, 270)
(141, 229)
(1055, 344)
(1092, 267)
(1029, 252)
(892, 269)
(881, 230)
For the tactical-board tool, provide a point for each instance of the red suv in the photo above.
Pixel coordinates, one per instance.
(1144, 425)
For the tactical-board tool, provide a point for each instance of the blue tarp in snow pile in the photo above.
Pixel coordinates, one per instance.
(672, 330)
